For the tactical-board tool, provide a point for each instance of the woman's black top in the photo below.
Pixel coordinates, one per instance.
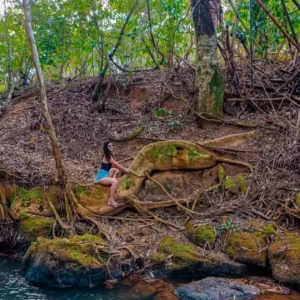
(105, 166)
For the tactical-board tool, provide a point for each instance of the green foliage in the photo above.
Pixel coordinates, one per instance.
(227, 226)
(175, 126)
(75, 37)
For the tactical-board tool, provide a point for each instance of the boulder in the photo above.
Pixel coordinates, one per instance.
(174, 259)
(234, 185)
(32, 226)
(203, 235)
(212, 288)
(61, 262)
(284, 257)
(250, 247)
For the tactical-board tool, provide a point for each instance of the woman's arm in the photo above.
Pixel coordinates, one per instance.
(114, 163)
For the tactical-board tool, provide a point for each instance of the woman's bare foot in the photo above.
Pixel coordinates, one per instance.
(113, 203)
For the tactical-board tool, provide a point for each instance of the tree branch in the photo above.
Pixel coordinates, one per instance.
(111, 54)
(276, 22)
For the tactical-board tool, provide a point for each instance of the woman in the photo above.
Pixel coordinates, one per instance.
(108, 175)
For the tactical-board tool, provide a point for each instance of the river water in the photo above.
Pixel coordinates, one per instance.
(14, 287)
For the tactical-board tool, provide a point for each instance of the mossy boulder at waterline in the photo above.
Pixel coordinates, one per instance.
(250, 247)
(203, 235)
(284, 258)
(177, 259)
(61, 262)
(33, 227)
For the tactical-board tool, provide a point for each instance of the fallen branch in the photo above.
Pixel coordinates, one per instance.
(130, 136)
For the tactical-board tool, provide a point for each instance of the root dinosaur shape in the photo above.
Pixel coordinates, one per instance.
(159, 156)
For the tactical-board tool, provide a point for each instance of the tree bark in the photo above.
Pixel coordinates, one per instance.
(209, 80)
(62, 177)
(9, 71)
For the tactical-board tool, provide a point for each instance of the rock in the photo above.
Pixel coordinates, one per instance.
(212, 288)
(65, 262)
(250, 247)
(33, 226)
(203, 235)
(184, 260)
(284, 258)
(233, 185)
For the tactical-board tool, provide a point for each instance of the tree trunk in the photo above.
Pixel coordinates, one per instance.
(209, 80)
(62, 177)
(9, 72)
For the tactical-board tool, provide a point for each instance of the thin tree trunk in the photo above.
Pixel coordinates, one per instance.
(209, 80)
(297, 4)
(236, 21)
(9, 72)
(289, 20)
(62, 177)
(99, 84)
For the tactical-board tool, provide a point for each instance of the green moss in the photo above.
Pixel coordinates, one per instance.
(230, 184)
(288, 246)
(247, 247)
(216, 89)
(243, 183)
(221, 173)
(183, 254)
(194, 154)
(127, 182)
(190, 227)
(35, 226)
(158, 259)
(79, 189)
(205, 234)
(81, 250)
(298, 199)
(268, 230)
(26, 197)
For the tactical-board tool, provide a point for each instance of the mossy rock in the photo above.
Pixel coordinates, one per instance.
(184, 260)
(203, 235)
(250, 247)
(77, 261)
(34, 226)
(182, 254)
(284, 258)
(235, 185)
(158, 259)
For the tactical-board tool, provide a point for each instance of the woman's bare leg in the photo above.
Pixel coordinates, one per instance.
(113, 183)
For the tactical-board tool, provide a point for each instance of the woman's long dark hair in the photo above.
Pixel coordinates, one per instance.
(106, 152)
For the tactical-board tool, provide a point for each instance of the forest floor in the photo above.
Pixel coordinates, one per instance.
(26, 154)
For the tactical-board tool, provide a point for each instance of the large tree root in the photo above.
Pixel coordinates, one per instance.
(91, 203)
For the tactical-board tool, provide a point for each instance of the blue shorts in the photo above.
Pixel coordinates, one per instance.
(101, 174)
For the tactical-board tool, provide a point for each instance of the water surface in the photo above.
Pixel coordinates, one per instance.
(14, 287)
